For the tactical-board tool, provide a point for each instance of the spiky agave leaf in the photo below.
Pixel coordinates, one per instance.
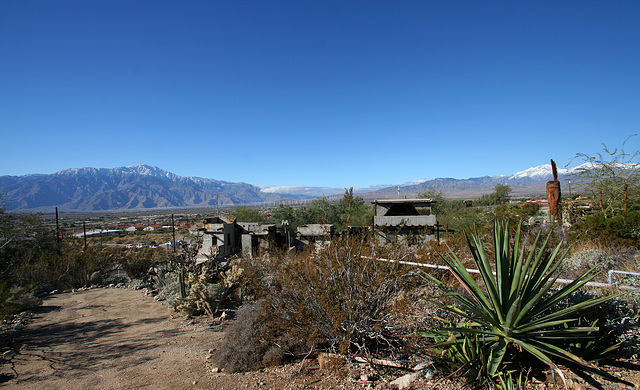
(519, 295)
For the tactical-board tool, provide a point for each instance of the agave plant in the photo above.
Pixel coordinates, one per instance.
(515, 308)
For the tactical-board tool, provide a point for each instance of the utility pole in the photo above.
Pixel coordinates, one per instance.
(173, 227)
(57, 227)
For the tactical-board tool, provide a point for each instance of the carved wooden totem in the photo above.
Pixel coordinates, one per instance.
(553, 193)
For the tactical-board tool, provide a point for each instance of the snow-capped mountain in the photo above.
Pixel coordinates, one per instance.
(124, 188)
(149, 187)
(530, 182)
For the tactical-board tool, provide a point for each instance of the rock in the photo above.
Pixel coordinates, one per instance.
(215, 370)
(329, 360)
(404, 382)
(423, 365)
(96, 278)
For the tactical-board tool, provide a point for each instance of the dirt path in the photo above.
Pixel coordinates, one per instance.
(110, 339)
(118, 338)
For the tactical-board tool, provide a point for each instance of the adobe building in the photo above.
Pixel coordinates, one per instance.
(256, 238)
(404, 220)
(218, 239)
(316, 233)
(222, 238)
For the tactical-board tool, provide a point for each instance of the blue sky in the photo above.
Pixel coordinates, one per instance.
(320, 93)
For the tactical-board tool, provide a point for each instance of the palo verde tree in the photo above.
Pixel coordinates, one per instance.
(456, 215)
(497, 197)
(612, 178)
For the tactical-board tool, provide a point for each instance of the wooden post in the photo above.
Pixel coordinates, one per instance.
(554, 193)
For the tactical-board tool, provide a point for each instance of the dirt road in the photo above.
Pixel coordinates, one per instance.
(110, 339)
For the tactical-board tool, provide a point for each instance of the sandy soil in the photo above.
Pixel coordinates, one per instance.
(118, 338)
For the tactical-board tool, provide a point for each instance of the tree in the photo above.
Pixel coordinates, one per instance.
(612, 178)
(322, 211)
(456, 215)
(496, 198)
(294, 216)
(246, 214)
(353, 211)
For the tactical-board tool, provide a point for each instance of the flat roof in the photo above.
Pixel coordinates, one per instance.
(403, 201)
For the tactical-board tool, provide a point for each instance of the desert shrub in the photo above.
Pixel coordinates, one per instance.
(205, 289)
(62, 266)
(17, 299)
(622, 229)
(456, 216)
(168, 288)
(137, 262)
(618, 325)
(336, 298)
(588, 254)
(244, 347)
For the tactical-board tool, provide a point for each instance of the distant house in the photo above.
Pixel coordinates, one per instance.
(404, 220)
(151, 228)
(99, 233)
(134, 228)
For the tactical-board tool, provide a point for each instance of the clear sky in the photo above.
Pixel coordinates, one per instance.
(322, 93)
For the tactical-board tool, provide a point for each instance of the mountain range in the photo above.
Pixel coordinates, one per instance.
(145, 187)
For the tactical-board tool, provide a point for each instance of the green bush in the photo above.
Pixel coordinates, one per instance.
(622, 228)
